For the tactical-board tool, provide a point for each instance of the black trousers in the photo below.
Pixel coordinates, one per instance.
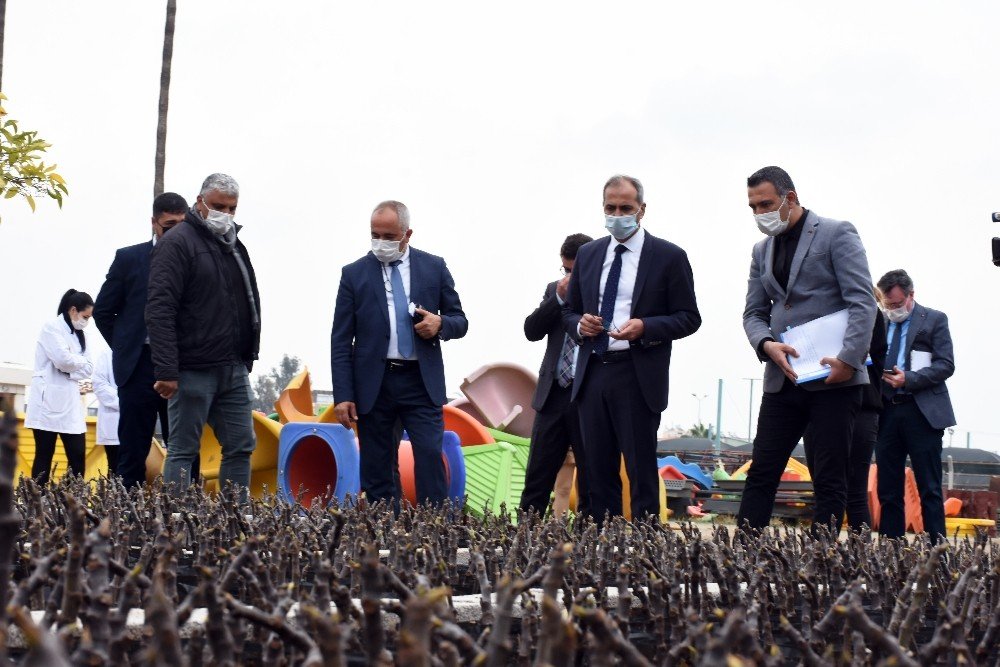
(905, 431)
(140, 407)
(555, 431)
(402, 400)
(112, 453)
(616, 422)
(859, 460)
(784, 417)
(75, 445)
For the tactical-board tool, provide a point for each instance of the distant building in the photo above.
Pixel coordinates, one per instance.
(15, 379)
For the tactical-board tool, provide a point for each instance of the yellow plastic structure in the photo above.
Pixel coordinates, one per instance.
(792, 466)
(95, 461)
(263, 461)
(295, 402)
(966, 527)
(627, 495)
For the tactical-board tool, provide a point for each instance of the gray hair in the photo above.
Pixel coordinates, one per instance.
(896, 278)
(224, 183)
(618, 179)
(399, 207)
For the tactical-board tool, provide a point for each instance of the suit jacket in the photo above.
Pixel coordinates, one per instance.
(829, 272)
(121, 305)
(663, 298)
(359, 341)
(928, 332)
(546, 320)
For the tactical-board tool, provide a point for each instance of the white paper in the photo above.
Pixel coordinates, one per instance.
(822, 337)
(919, 360)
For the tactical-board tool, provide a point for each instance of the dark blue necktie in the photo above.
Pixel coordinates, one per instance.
(609, 298)
(404, 326)
(893, 354)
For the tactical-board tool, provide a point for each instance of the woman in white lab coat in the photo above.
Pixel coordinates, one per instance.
(106, 391)
(54, 406)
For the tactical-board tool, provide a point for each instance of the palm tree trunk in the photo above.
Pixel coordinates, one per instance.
(161, 121)
(3, 21)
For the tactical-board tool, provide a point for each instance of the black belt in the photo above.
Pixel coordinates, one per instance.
(400, 364)
(615, 356)
(899, 399)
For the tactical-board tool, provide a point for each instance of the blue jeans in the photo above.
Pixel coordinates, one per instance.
(220, 397)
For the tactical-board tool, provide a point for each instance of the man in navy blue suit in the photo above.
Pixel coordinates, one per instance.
(394, 307)
(119, 312)
(630, 296)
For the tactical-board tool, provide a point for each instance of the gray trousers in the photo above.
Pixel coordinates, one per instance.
(221, 398)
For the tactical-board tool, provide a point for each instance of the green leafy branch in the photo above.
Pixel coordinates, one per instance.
(23, 172)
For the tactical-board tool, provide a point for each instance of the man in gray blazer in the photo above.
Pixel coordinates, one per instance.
(808, 267)
(917, 406)
(556, 429)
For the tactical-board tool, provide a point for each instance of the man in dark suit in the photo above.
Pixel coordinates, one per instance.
(394, 307)
(119, 312)
(917, 406)
(556, 429)
(630, 295)
(807, 267)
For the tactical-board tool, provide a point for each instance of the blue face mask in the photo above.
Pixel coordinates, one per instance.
(621, 226)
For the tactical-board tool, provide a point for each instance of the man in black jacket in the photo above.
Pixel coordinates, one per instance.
(119, 313)
(557, 421)
(203, 317)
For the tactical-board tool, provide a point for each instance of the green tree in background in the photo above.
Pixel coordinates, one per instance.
(267, 387)
(23, 173)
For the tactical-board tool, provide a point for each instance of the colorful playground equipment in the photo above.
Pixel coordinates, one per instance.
(95, 461)
(318, 461)
(502, 393)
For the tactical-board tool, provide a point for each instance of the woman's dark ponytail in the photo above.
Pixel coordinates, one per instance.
(79, 300)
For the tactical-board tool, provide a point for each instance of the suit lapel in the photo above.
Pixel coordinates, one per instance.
(808, 234)
(592, 286)
(917, 322)
(768, 274)
(416, 266)
(643, 271)
(377, 279)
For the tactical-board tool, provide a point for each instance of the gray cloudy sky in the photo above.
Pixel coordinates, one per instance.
(497, 125)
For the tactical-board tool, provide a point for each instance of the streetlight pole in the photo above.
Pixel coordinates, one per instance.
(699, 399)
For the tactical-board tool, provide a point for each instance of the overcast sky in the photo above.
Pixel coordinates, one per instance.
(497, 125)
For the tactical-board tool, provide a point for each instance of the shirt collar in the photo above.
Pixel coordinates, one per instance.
(405, 259)
(634, 243)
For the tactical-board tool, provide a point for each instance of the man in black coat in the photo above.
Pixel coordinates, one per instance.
(556, 429)
(119, 312)
(203, 316)
(630, 296)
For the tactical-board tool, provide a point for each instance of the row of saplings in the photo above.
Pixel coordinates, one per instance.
(93, 575)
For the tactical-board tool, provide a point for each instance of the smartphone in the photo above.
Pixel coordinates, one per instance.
(888, 371)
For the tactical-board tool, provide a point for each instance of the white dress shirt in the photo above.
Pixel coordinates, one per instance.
(626, 283)
(390, 297)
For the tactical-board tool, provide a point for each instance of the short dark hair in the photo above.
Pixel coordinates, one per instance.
(169, 202)
(896, 278)
(572, 244)
(776, 176)
(618, 179)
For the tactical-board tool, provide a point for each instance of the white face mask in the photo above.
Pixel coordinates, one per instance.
(80, 323)
(387, 251)
(771, 223)
(621, 226)
(897, 315)
(218, 222)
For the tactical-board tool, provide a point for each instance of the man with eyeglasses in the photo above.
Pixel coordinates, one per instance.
(630, 296)
(556, 444)
(394, 307)
(917, 406)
